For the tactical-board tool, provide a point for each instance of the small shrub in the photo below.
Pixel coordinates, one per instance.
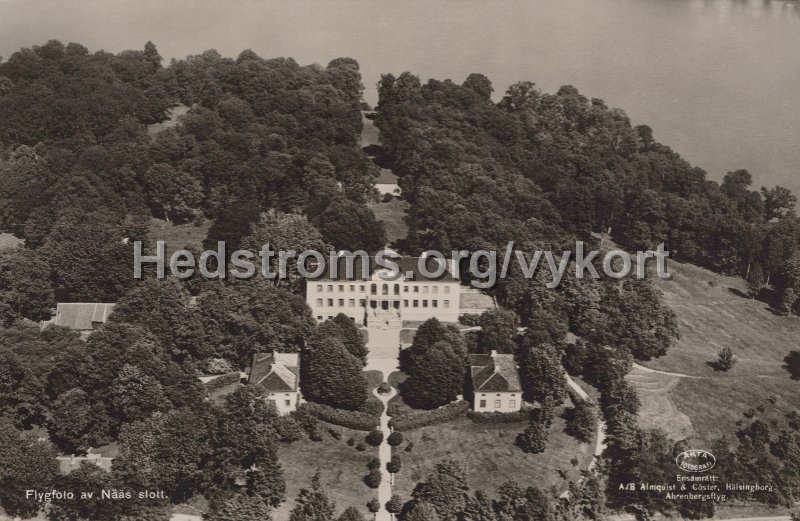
(314, 435)
(374, 463)
(394, 505)
(374, 505)
(395, 439)
(725, 359)
(395, 464)
(361, 446)
(335, 434)
(749, 413)
(793, 418)
(373, 478)
(288, 429)
(374, 438)
(351, 441)
(410, 446)
(533, 439)
(792, 364)
(713, 283)
(384, 388)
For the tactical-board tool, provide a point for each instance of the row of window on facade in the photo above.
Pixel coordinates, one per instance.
(362, 302)
(385, 288)
(512, 404)
(286, 402)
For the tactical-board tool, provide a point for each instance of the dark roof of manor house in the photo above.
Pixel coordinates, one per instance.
(408, 267)
(494, 373)
(274, 372)
(82, 316)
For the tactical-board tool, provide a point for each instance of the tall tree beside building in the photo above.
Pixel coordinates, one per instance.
(436, 374)
(343, 327)
(541, 372)
(331, 375)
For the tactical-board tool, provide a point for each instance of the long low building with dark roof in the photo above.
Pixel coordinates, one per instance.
(421, 288)
(81, 316)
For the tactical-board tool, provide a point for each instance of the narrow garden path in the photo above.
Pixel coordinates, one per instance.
(600, 434)
(665, 373)
(385, 454)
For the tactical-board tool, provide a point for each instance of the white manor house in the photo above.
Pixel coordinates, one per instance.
(367, 297)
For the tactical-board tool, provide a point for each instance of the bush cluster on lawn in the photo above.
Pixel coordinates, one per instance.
(373, 478)
(374, 438)
(498, 417)
(222, 381)
(419, 419)
(373, 407)
(355, 420)
(395, 439)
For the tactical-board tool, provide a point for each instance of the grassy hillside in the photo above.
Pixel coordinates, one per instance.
(713, 313)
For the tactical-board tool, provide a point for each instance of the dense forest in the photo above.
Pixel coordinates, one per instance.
(81, 173)
(542, 169)
(267, 149)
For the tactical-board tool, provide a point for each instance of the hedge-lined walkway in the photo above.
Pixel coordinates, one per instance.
(385, 455)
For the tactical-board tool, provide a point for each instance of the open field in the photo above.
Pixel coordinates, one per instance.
(341, 469)
(172, 119)
(9, 242)
(490, 456)
(711, 317)
(475, 300)
(659, 410)
(177, 236)
(391, 215)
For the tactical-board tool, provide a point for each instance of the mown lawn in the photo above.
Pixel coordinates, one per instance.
(490, 456)
(391, 215)
(341, 467)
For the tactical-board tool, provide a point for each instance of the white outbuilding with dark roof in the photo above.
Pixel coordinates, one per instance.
(495, 383)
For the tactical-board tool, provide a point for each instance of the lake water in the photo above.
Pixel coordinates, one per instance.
(718, 80)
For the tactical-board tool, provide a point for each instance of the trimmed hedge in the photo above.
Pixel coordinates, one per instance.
(419, 419)
(222, 381)
(498, 417)
(355, 420)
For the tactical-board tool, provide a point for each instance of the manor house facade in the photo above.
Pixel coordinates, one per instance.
(367, 296)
